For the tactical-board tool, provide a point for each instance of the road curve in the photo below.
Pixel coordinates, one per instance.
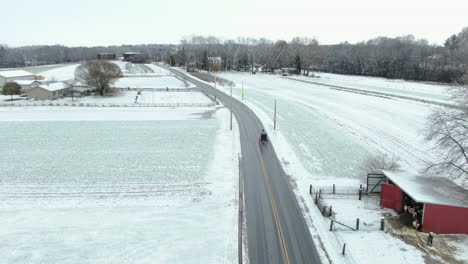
(276, 229)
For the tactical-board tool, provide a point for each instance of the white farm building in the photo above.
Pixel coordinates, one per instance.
(15, 75)
(51, 91)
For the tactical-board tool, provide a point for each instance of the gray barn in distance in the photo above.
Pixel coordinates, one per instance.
(14, 75)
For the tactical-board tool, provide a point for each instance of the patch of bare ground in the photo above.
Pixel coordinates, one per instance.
(439, 253)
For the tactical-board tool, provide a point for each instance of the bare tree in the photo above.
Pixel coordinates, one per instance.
(448, 129)
(375, 163)
(98, 74)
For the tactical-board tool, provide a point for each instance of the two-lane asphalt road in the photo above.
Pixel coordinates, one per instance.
(276, 229)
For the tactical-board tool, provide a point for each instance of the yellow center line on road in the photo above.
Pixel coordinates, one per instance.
(284, 249)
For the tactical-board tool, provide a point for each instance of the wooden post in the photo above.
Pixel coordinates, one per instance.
(310, 189)
(333, 188)
(231, 109)
(274, 118)
(357, 224)
(344, 248)
(330, 211)
(382, 224)
(360, 192)
(331, 225)
(430, 238)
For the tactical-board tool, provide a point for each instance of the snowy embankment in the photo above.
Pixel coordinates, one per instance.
(114, 185)
(323, 137)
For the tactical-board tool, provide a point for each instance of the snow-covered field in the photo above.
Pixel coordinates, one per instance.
(419, 90)
(64, 73)
(159, 82)
(118, 185)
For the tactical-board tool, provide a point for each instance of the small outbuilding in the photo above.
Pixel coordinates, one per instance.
(106, 56)
(9, 76)
(433, 204)
(50, 91)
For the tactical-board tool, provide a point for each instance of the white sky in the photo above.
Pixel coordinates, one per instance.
(115, 22)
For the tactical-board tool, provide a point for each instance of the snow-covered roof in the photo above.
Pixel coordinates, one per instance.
(15, 73)
(24, 82)
(433, 190)
(54, 86)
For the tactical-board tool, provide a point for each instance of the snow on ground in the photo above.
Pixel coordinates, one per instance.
(325, 126)
(64, 73)
(429, 91)
(324, 136)
(82, 185)
(160, 82)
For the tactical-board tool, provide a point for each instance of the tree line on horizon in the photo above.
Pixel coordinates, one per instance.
(398, 58)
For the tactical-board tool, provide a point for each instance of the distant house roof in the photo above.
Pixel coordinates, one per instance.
(15, 73)
(54, 86)
(432, 190)
(25, 82)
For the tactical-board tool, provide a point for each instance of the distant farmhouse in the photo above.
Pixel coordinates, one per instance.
(51, 91)
(15, 75)
(135, 57)
(107, 56)
(215, 63)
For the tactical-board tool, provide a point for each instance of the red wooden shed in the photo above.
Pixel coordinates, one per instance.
(437, 204)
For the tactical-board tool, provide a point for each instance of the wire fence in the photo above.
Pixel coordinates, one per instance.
(109, 104)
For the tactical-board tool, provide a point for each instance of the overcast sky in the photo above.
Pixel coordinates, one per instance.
(115, 22)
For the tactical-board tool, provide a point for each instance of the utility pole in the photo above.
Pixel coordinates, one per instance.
(242, 90)
(274, 118)
(231, 108)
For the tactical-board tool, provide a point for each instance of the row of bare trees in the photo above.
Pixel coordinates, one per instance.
(43, 55)
(401, 57)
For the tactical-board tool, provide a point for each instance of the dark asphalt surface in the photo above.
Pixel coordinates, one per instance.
(276, 229)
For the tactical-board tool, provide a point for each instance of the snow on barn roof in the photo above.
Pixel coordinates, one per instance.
(433, 190)
(15, 73)
(54, 86)
(24, 82)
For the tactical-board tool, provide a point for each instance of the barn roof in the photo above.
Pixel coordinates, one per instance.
(54, 86)
(25, 82)
(432, 190)
(15, 73)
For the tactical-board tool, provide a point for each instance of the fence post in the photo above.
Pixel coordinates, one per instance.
(319, 193)
(430, 238)
(344, 248)
(382, 224)
(333, 188)
(316, 198)
(331, 225)
(330, 210)
(310, 189)
(360, 192)
(357, 223)
(323, 210)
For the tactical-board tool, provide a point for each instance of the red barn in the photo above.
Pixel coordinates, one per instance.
(434, 204)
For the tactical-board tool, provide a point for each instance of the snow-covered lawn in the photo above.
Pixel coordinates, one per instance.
(126, 185)
(160, 82)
